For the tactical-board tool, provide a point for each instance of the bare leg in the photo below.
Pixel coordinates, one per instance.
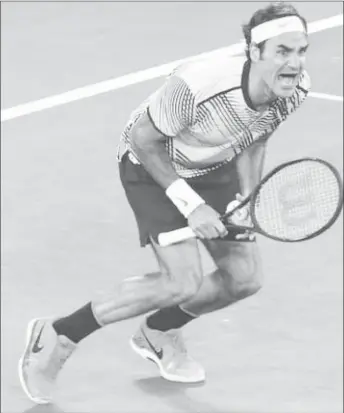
(179, 279)
(238, 276)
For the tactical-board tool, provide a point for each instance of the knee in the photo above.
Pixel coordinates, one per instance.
(183, 287)
(242, 276)
(239, 290)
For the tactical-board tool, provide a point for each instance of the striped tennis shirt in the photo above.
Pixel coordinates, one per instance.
(206, 114)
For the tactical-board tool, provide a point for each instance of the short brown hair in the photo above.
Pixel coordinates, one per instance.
(271, 12)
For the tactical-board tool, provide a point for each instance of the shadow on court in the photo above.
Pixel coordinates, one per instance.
(45, 408)
(175, 395)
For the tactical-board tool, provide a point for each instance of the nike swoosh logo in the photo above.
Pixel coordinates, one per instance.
(182, 201)
(159, 353)
(36, 348)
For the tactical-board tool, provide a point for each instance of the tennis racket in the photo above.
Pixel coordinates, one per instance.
(296, 201)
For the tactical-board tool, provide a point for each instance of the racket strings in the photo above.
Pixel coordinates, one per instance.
(298, 200)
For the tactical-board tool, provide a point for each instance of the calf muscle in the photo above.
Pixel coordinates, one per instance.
(133, 297)
(179, 279)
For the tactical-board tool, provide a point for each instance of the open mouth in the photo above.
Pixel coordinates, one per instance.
(288, 79)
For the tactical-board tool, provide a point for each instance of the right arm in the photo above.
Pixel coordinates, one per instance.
(170, 110)
(148, 142)
(149, 146)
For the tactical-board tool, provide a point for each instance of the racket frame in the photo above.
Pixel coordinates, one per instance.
(252, 198)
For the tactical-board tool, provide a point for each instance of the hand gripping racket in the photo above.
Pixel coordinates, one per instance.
(296, 201)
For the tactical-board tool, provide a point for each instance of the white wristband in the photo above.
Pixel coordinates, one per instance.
(184, 197)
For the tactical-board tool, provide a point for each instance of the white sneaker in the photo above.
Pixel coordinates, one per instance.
(168, 351)
(44, 356)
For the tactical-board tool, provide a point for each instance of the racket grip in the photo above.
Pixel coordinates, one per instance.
(178, 235)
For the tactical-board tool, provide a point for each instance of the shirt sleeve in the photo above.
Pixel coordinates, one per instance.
(172, 108)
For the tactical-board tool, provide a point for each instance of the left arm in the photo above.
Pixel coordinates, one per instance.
(250, 164)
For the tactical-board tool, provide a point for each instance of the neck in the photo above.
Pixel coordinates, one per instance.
(260, 94)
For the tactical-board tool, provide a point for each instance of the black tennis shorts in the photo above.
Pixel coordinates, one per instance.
(154, 211)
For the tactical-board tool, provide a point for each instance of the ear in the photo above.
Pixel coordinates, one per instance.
(254, 52)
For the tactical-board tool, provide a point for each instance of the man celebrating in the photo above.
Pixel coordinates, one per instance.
(191, 149)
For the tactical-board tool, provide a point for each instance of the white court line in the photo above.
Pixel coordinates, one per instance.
(148, 74)
(325, 96)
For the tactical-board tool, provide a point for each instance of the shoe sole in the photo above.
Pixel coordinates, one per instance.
(148, 355)
(29, 333)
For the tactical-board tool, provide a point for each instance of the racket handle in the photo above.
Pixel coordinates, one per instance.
(178, 235)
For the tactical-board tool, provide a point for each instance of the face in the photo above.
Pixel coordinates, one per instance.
(281, 62)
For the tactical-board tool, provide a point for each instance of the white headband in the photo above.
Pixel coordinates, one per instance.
(276, 27)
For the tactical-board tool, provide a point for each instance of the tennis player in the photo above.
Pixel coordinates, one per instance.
(192, 148)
